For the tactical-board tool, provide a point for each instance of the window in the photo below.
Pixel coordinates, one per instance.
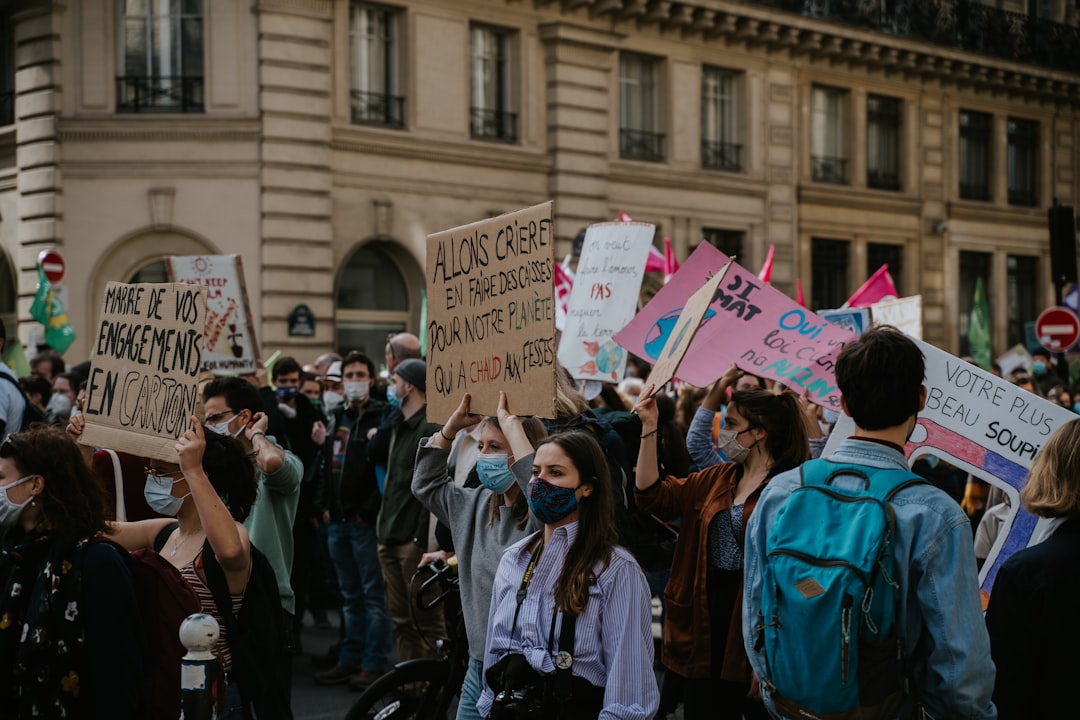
(973, 265)
(7, 70)
(373, 32)
(491, 118)
(828, 159)
(975, 135)
(161, 56)
(729, 242)
(1023, 275)
(883, 142)
(372, 299)
(638, 136)
(878, 254)
(153, 272)
(829, 273)
(720, 148)
(1020, 158)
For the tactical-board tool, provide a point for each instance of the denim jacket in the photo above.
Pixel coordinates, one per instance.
(944, 635)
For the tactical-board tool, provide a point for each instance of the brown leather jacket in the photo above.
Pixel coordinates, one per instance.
(687, 630)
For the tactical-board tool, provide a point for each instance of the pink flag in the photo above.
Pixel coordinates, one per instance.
(799, 297)
(671, 265)
(877, 287)
(564, 283)
(765, 274)
(623, 217)
(656, 261)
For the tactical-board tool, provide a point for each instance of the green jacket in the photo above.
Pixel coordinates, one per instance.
(270, 523)
(402, 518)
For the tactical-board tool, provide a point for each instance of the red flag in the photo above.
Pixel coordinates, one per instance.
(623, 217)
(656, 261)
(765, 274)
(799, 297)
(877, 287)
(671, 265)
(564, 283)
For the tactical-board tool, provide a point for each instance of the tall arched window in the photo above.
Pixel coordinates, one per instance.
(152, 272)
(374, 300)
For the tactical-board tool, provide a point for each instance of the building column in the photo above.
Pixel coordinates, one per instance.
(781, 199)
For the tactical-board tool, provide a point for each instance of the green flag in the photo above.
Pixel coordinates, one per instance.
(423, 323)
(979, 327)
(48, 311)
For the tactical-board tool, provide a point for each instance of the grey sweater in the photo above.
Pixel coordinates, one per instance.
(479, 547)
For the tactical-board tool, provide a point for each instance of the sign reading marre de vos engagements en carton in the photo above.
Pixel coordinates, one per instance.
(143, 386)
(491, 311)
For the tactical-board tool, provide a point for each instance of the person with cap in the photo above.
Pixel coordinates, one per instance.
(350, 505)
(402, 526)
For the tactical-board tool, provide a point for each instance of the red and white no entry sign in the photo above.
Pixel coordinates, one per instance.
(52, 262)
(1057, 328)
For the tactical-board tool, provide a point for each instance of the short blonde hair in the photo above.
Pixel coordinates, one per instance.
(1053, 485)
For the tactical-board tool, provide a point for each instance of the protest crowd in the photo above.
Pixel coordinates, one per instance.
(796, 575)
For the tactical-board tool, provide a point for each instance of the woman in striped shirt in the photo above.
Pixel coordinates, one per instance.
(570, 568)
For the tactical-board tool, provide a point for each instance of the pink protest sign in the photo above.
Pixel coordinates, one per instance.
(749, 323)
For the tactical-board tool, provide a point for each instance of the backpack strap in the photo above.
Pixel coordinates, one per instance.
(163, 536)
(881, 483)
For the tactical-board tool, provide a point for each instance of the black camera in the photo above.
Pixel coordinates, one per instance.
(524, 703)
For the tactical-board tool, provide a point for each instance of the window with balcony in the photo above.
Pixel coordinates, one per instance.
(161, 57)
(639, 136)
(829, 273)
(729, 242)
(491, 116)
(1023, 296)
(720, 148)
(976, 132)
(1021, 153)
(373, 49)
(7, 71)
(883, 119)
(973, 265)
(828, 160)
(878, 254)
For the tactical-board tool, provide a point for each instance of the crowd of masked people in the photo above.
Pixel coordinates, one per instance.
(325, 486)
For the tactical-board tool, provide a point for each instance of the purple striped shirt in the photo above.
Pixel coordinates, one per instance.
(614, 641)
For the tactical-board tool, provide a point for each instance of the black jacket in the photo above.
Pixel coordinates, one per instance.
(354, 490)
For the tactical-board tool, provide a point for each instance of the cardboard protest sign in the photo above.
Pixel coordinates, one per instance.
(986, 426)
(904, 314)
(231, 345)
(603, 299)
(750, 323)
(144, 380)
(680, 339)
(491, 315)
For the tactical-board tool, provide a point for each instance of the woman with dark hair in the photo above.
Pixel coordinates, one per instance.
(209, 493)
(483, 521)
(69, 631)
(765, 434)
(570, 628)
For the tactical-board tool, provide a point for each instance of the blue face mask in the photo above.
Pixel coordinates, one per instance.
(392, 397)
(1039, 367)
(1076, 408)
(285, 394)
(551, 503)
(494, 471)
(158, 494)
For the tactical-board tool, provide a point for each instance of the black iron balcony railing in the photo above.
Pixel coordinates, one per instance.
(882, 179)
(7, 107)
(641, 145)
(974, 190)
(721, 156)
(961, 24)
(499, 125)
(163, 94)
(825, 168)
(1022, 196)
(370, 108)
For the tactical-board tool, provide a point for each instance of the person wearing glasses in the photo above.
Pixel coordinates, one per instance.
(69, 623)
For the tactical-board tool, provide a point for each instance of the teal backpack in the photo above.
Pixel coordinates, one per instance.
(829, 601)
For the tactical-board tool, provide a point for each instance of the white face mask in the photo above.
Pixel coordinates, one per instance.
(9, 511)
(222, 428)
(332, 400)
(158, 494)
(357, 391)
(59, 405)
(728, 442)
(287, 410)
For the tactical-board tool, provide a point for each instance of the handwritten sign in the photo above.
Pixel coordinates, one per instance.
(680, 339)
(904, 314)
(857, 320)
(148, 351)
(231, 345)
(604, 299)
(986, 426)
(491, 308)
(749, 322)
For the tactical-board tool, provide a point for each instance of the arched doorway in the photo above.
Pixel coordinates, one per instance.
(378, 294)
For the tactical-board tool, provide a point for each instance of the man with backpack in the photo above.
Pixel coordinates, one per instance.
(861, 590)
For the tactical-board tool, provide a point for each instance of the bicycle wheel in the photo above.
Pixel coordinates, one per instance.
(408, 692)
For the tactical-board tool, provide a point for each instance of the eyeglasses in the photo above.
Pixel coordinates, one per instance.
(218, 417)
(158, 472)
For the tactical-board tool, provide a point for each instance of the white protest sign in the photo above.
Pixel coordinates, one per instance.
(231, 345)
(904, 314)
(1015, 357)
(603, 299)
(144, 379)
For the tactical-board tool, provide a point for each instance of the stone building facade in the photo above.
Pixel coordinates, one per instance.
(323, 140)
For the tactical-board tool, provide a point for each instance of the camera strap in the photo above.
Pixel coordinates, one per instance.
(563, 689)
(523, 589)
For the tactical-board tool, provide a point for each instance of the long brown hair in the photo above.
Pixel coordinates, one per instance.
(71, 501)
(779, 416)
(535, 432)
(596, 533)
